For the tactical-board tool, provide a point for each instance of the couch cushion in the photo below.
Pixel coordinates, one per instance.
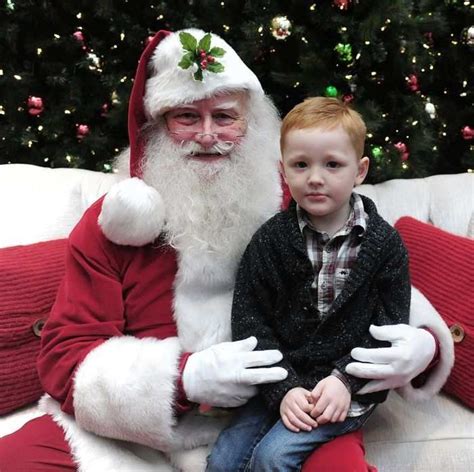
(41, 204)
(436, 435)
(29, 279)
(442, 268)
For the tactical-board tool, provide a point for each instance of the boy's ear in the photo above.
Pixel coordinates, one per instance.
(282, 170)
(362, 170)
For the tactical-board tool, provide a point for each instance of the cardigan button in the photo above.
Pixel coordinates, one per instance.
(457, 332)
(38, 327)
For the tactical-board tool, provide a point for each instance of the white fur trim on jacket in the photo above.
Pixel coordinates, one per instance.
(423, 314)
(132, 213)
(170, 85)
(125, 389)
(92, 453)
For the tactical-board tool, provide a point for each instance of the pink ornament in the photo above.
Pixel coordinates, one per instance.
(104, 109)
(79, 36)
(412, 83)
(467, 133)
(403, 150)
(35, 105)
(348, 98)
(82, 131)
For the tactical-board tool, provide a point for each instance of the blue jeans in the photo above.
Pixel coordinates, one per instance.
(258, 441)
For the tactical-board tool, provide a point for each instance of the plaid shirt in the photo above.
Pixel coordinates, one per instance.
(332, 260)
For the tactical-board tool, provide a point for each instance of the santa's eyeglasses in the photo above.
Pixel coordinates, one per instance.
(223, 136)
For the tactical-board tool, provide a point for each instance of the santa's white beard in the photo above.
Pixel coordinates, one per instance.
(214, 206)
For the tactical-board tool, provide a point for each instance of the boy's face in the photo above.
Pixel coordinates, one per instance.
(321, 168)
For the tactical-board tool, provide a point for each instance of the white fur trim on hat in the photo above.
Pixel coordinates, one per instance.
(132, 214)
(170, 85)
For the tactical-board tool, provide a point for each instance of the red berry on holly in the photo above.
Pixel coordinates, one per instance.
(204, 64)
(202, 53)
(210, 59)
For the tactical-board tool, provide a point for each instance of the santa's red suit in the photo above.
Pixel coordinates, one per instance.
(131, 309)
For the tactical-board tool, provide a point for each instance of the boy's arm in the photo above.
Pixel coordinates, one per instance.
(252, 310)
(393, 286)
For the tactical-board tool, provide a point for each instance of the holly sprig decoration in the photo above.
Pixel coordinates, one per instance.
(201, 54)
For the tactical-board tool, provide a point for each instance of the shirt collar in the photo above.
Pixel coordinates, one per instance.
(357, 218)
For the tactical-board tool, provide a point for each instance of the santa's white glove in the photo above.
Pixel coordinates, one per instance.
(391, 367)
(225, 375)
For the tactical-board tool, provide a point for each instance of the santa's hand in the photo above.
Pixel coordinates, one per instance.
(226, 374)
(391, 367)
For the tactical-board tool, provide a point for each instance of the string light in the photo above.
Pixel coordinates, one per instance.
(313, 7)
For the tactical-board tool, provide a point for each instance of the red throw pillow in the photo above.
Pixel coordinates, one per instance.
(29, 279)
(442, 268)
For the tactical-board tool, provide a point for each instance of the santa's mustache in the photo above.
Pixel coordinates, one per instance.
(191, 148)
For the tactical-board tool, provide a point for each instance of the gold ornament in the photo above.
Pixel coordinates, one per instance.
(280, 27)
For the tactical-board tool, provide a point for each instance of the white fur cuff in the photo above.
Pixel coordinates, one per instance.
(132, 213)
(125, 389)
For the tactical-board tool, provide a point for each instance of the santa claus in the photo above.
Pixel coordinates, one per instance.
(136, 354)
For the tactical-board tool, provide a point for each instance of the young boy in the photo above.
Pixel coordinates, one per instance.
(311, 282)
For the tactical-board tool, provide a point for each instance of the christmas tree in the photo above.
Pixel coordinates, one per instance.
(66, 71)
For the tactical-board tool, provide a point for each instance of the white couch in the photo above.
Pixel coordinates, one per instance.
(39, 204)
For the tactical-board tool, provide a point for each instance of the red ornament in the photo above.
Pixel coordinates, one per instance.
(403, 150)
(429, 38)
(82, 131)
(467, 133)
(35, 105)
(104, 109)
(348, 98)
(412, 83)
(342, 4)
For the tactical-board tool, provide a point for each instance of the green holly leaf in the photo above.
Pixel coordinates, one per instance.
(205, 42)
(198, 75)
(215, 67)
(186, 61)
(188, 41)
(217, 52)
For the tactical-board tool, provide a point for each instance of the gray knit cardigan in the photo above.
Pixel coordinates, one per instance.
(273, 301)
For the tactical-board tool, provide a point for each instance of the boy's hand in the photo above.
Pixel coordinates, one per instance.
(331, 400)
(295, 408)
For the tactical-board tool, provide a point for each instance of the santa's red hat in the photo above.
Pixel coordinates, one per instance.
(170, 72)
